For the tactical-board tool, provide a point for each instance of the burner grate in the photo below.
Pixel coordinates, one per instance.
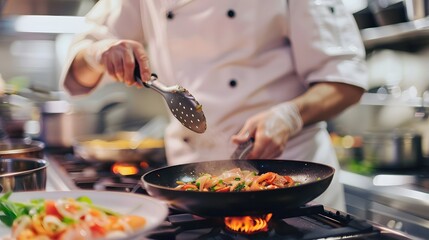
(308, 222)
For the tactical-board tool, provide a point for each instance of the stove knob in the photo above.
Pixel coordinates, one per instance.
(391, 224)
(399, 225)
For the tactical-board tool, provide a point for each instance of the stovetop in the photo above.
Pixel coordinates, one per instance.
(307, 222)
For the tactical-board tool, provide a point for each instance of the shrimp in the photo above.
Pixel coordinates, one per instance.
(237, 180)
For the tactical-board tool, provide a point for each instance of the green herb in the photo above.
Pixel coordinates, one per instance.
(11, 210)
(220, 181)
(84, 199)
(212, 188)
(38, 201)
(237, 179)
(197, 184)
(87, 200)
(68, 221)
(239, 187)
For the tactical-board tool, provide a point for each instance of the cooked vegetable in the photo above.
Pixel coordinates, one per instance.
(237, 180)
(65, 218)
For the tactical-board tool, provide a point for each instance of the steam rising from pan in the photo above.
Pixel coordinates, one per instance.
(214, 169)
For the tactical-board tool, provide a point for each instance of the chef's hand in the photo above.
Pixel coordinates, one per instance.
(271, 130)
(118, 57)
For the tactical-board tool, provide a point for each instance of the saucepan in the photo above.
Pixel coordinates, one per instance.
(21, 148)
(394, 149)
(314, 179)
(22, 174)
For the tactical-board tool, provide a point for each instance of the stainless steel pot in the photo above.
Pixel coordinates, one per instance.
(15, 111)
(396, 149)
(61, 123)
(21, 148)
(22, 174)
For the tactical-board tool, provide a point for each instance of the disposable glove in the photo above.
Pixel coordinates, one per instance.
(271, 130)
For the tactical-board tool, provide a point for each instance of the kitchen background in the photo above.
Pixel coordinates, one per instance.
(34, 39)
(35, 35)
(387, 132)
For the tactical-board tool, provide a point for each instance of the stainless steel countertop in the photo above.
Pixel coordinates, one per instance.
(57, 179)
(397, 191)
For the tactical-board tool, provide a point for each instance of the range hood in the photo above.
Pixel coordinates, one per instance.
(46, 7)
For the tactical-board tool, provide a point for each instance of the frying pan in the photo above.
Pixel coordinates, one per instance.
(314, 179)
(93, 153)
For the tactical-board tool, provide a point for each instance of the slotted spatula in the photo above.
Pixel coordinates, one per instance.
(182, 104)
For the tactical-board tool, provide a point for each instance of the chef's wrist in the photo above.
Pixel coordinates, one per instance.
(289, 114)
(93, 53)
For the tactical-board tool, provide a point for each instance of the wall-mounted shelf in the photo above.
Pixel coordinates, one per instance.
(395, 32)
(376, 99)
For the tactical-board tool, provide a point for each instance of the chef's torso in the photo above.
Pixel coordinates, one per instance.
(237, 58)
(233, 56)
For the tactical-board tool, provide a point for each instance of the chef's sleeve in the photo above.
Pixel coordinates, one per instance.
(108, 19)
(326, 43)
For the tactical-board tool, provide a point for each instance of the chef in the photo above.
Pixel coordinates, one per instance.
(272, 70)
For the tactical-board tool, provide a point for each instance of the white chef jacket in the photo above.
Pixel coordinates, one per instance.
(238, 58)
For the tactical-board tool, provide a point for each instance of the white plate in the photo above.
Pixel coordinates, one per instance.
(153, 210)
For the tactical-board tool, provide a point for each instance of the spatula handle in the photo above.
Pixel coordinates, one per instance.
(137, 74)
(243, 149)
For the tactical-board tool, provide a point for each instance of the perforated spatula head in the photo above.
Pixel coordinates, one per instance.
(186, 109)
(182, 104)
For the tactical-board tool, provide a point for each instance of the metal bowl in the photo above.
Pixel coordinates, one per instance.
(22, 174)
(21, 148)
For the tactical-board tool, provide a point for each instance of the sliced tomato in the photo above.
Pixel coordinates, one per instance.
(224, 189)
(97, 230)
(189, 187)
(52, 210)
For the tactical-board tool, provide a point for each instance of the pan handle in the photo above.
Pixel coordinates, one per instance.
(243, 149)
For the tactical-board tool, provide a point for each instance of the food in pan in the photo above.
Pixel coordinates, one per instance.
(124, 143)
(65, 218)
(237, 180)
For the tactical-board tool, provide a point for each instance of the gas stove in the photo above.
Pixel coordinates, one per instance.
(307, 222)
(67, 172)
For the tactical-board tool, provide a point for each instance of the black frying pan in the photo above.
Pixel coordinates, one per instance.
(314, 179)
